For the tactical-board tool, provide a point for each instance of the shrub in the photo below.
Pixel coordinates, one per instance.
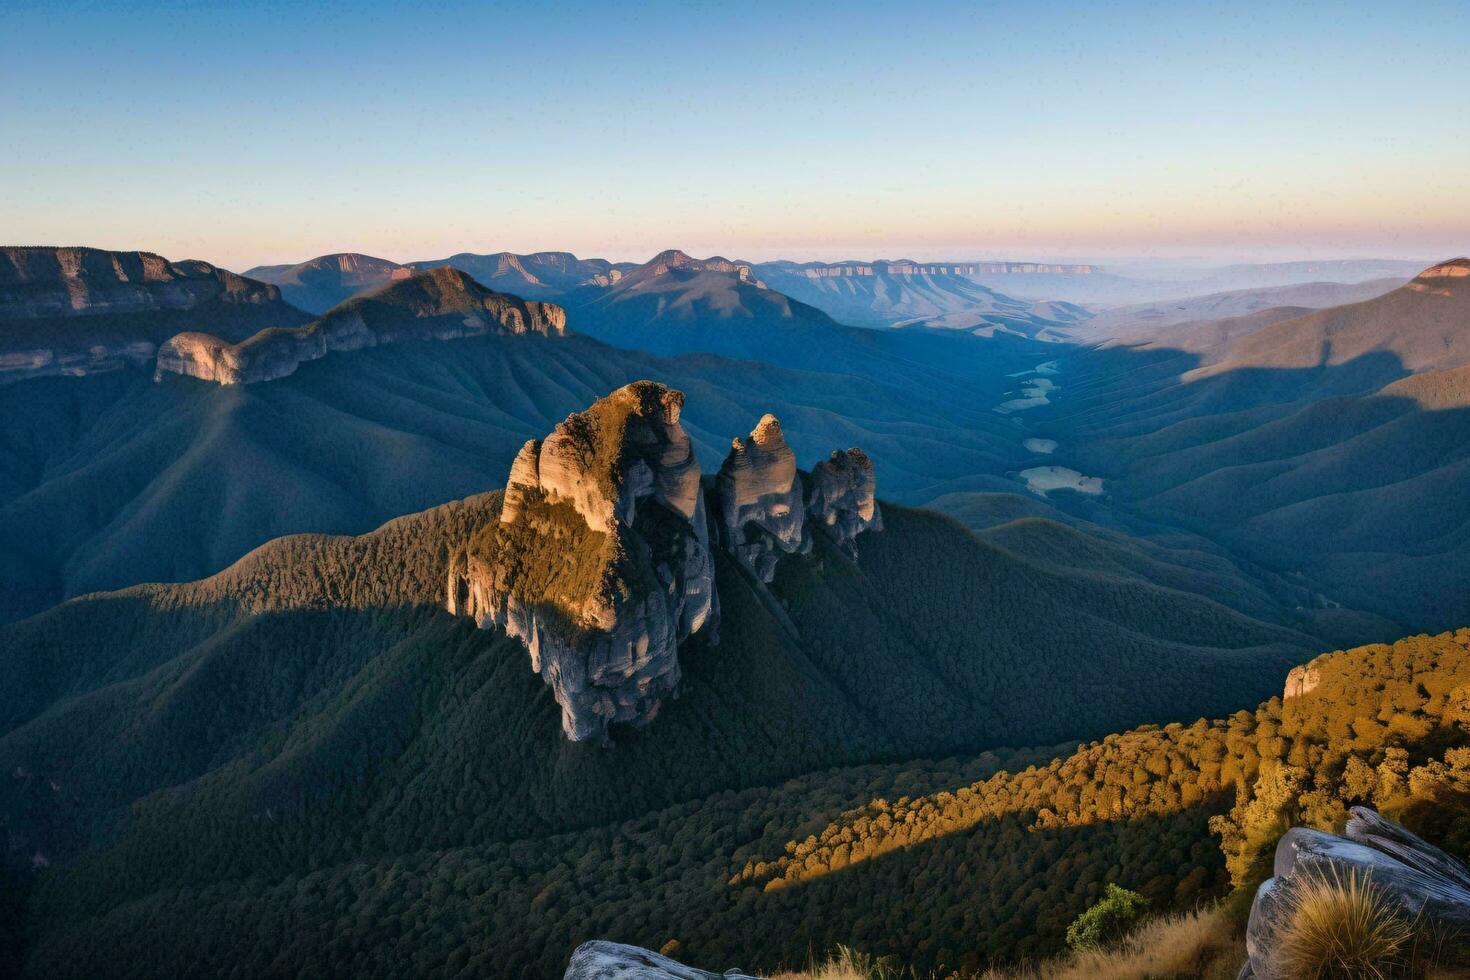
(1107, 921)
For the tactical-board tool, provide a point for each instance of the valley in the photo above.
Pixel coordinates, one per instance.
(445, 602)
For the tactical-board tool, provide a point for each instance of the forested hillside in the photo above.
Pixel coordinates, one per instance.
(314, 706)
(413, 811)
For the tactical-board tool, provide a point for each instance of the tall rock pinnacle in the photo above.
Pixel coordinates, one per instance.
(600, 560)
(761, 511)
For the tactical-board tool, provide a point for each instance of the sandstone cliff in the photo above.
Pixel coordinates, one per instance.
(842, 497)
(762, 513)
(441, 304)
(77, 311)
(599, 559)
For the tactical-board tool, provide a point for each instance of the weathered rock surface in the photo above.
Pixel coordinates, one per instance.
(1429, 886)
(1302, 680)
(841, 497)
(441, 304)
(762, 514)
(602, 960)
(78, 311)
(600, 559)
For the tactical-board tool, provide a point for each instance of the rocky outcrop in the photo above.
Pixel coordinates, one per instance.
(440, 304)
(599, 561)
(762, 514)
(841, 498)
(1302, 680)
(602, 960)
(1430, 888)
(79, 311)
(599, 558)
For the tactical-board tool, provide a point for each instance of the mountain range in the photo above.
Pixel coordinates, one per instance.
(692, 603)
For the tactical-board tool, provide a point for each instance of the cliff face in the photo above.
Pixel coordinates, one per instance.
(761, 509)
(600, 562)
(600, 559)
(78, 311)
(442, 304)
(841, 497)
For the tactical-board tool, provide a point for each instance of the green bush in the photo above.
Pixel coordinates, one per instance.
(1108, 921)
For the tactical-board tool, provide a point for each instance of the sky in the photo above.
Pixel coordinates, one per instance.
(275, 131)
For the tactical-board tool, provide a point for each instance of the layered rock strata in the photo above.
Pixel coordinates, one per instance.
(440, 304)
(600, 559)
(81, 311)
(762, 514)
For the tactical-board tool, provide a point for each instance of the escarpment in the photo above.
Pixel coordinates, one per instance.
(440, 304)
(600, 559)
(80, 311)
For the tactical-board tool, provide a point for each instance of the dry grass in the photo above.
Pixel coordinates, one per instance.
(1200, 945)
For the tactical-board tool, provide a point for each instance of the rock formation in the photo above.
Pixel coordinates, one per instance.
(602, 960)
(441, 304)
(1428, 886)
(762, 513)
(841, 497)
(1302, 680)
(600, 559)
(78, 311)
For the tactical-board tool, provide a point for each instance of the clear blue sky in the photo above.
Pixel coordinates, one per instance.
(274, 131)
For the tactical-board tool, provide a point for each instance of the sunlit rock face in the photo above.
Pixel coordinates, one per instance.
(762, 515)
(440, 304)
(841, 497)
(599, 561)
(1302, 680)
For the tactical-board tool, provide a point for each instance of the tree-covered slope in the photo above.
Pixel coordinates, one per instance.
(113, 480)
(314, 705)
(304, 765)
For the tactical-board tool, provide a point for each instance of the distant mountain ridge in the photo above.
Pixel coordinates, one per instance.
(75, 311)
(319, 284)
(440, 304)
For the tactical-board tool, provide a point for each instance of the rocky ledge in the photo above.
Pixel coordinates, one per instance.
(602, 960)
(1430, 888)
(440, 304)
(600, 561)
